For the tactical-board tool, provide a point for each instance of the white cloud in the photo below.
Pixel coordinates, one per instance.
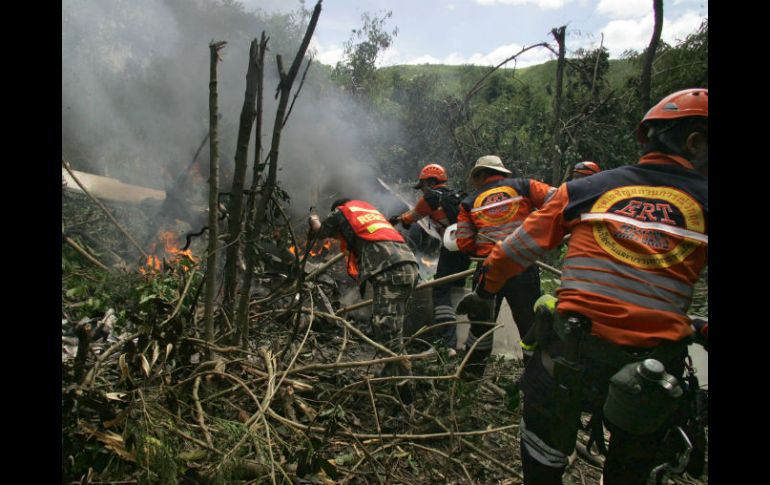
(620, 35)
(389, 58)
(624, 9)
(325, 55)
(426, 59)
(451, 7)
(493, 58)
(544, 4)
(676, 30)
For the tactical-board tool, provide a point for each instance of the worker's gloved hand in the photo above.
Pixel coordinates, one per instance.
(478, 305)
(394, 220)
(700, 334)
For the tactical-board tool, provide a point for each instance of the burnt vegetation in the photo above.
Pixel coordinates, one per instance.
(253, 368)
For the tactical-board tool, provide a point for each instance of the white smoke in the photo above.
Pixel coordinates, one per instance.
(135, 97)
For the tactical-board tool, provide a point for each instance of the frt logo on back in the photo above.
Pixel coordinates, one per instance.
(648, 227)
(648, 211)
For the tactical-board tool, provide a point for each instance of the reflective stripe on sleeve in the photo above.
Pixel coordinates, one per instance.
(521, 248)
(549, 195)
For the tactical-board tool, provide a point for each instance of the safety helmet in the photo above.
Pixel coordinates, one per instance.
(681, 104)
(587, 168)
(431, 171)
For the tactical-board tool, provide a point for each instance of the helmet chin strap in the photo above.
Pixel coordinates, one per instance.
(674, 149)
(662, 135)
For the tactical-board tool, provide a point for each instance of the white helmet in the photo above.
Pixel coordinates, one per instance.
(450, 238)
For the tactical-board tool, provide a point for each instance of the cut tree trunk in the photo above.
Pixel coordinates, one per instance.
(558, 34)
(235, 211)
(211, 261)
(241, 315)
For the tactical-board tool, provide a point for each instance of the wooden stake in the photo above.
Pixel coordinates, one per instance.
(211, 262)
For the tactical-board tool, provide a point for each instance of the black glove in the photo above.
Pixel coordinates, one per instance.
(394, 220)
(701, 332)
(478, 308)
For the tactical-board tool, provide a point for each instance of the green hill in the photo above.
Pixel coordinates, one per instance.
(456, 80)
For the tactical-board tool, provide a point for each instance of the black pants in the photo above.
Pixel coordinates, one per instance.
(520, 292)
(449, 262)
(630, 458)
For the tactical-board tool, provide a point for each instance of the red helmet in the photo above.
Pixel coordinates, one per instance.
(681, 104)
(432, 171)
(586, 168)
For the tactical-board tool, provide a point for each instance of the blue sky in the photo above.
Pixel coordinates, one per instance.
(485, 32)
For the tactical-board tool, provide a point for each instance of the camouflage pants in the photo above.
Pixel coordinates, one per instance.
(392, 289)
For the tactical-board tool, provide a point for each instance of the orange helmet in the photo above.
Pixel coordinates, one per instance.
(432, 171)
(681, 104)
(587, 168)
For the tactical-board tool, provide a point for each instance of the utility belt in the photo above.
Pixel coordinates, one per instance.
(641, 395)
(613, 355)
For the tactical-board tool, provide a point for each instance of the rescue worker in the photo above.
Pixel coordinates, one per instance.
(441, 204)
(377, 254)
(639, 242)
(496, 207)
(584, 169)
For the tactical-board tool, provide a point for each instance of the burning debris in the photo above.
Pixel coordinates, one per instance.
(167, 252)
(318, 249)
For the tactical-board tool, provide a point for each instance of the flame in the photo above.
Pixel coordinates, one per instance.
(428, 262)
(316, 250)
(170, 252)
(172, 247)
(327, 245)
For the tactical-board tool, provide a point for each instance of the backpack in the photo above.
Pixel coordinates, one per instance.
(449, 200)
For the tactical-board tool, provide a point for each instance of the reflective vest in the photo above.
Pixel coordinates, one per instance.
(368, 224)
(492, 212)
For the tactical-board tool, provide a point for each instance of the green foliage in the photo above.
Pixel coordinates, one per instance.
(159, 456)
(87, 291)
(156, 293)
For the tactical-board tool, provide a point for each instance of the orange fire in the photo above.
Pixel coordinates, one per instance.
(316, 250)
(327, 245)
(170, 252)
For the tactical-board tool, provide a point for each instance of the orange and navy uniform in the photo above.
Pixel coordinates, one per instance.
(429, 206)
(369, 240)
(639, 237)
(496, 209)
